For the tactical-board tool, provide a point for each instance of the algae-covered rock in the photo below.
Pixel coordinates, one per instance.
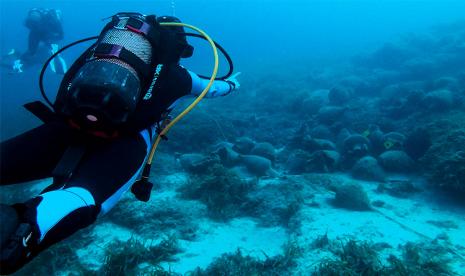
(264, 150)
(243, 145)
(228, 156)
(352, 197)
(444, 162)
(297, 162)
(339, 95)
(257, 165)
(417, 143)
(310, 144)
(367, 168)
(316, 100)
(398, 188)
(376, 137)
(220, 189)
(275, 204)
(396, 161)
(322, 161)
(438, 100)
(196, 163)
(321, 132)
(356, 144)
(330, 114)
(354, 147)
(393, 141)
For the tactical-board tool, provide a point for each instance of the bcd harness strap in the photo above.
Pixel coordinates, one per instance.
(105, 50)
(73, 156)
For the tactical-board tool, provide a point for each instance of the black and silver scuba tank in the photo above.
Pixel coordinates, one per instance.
(103, 87)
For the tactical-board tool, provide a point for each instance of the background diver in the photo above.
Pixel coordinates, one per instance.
(96, 143)
(45, 32)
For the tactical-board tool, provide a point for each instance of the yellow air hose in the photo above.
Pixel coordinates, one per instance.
(197, 100)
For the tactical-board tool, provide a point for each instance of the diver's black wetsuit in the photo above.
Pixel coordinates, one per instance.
(47, 30)
(107, 169)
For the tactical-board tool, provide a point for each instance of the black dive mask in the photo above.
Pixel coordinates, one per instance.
(104, 86)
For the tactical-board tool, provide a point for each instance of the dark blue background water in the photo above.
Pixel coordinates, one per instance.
(256, 33)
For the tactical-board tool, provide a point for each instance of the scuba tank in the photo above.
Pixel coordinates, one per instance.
(103, 87)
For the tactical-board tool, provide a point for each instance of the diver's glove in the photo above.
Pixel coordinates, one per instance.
(232, 80)
(11, 52)
(18, 66)
(53, 48)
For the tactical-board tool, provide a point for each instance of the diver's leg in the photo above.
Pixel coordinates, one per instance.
(106, 171)
(33, 154)
(33, 43)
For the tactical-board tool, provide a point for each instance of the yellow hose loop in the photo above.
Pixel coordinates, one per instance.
(199, 98)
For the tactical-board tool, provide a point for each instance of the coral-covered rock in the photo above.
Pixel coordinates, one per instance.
(438, 100)
(257, 165)
(321, 132)
(196, 163)
(264, 150)
(321, 144)
(393, 141)
(243, 145)
(316, 100)
(396, 161)
(367, 168)
(297, 162)
(330, 114)
(445, 162)
(398, 188)
(352, 197)
(323, 161)
(339, 95)
(417, 143)
(228, 156)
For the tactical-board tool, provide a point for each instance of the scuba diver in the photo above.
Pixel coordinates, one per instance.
(45, 32)
(97, 140)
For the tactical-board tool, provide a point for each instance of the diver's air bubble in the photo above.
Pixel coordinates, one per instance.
(92, 118)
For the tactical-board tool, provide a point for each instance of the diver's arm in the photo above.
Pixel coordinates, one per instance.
(219, 87)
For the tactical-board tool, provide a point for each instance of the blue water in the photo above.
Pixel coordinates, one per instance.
(256, 33)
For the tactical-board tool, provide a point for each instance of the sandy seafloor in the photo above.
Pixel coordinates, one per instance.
(318, 217)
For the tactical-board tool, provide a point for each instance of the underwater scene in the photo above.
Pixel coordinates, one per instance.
(341, 153)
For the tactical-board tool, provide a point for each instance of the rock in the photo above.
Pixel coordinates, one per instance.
(330, 114)
(297, 162)
(393, 141)
(354, 147)
(352, 197)
(339, 95)
(321, 132)
(398, 188)
(367, 168)
(438, 100)
(228, 156)
(378, 203)
(243, 145)
(323, 161)
(417, 143)
(322, 144)
(265, 150)
(257, 165)
(448, 83)
(376, 137)
(196, 163)
(275, 204)
(316, 100)
(220, 145)
(341, 137)
(396, 161)
(358, 84)
(356, 144)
